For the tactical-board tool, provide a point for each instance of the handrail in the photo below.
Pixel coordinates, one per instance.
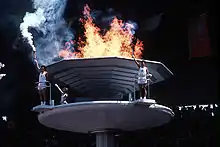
(43, 82)
(46, 86)
(135, 81)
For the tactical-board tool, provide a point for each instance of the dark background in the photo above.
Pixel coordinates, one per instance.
(195, 81)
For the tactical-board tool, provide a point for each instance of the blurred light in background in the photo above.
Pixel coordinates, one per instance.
(202, 107)
(5, 118)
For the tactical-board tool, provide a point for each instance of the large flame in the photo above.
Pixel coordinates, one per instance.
(117, 41)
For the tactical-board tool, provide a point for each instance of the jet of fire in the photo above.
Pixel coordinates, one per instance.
(117, 41)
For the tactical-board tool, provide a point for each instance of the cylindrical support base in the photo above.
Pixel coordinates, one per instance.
(105, 139)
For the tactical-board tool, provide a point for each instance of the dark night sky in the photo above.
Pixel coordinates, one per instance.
(195, 81)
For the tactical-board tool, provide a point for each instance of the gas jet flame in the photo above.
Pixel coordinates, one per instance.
(117, 41)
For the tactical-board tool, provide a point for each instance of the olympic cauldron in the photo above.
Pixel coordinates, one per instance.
(104, 77)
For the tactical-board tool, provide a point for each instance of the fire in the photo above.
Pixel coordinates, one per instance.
(117, 41)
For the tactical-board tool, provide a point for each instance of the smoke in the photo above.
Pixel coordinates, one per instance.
(104, 19)
(152, 23)
(32, 20)
(48, 20)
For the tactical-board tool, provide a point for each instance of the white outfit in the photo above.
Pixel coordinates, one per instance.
(142, 75)
(42, 81)
(63, 98)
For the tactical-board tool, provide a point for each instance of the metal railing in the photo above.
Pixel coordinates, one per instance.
(135, 82)
(49, 85)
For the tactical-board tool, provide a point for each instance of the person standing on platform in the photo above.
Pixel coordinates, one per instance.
(42, 82)
(143, 76)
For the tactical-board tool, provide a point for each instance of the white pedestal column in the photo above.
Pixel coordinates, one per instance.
(105, 139)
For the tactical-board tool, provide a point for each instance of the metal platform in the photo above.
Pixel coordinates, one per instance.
(85, 117)
(106, 77)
